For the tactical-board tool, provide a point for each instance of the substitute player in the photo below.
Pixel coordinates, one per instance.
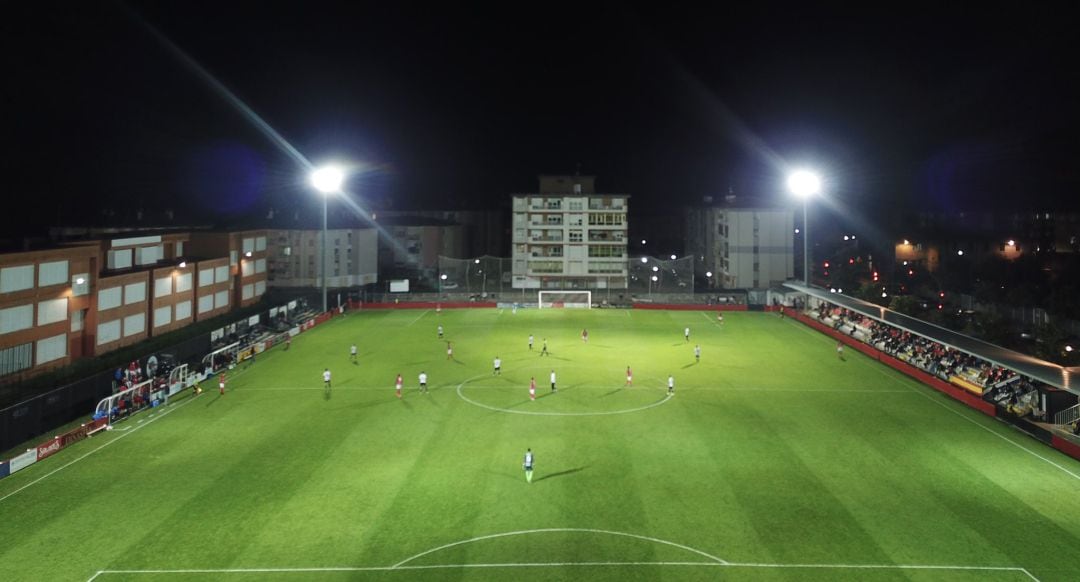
(528, 465)
(397, 385)
(498, 367)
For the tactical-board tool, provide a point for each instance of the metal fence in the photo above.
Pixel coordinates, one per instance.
(653, 275)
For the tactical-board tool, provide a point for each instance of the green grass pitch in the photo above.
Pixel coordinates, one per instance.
(773, 461)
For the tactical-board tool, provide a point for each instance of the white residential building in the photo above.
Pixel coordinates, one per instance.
(744, 245)
(569, 237)
(351, 257)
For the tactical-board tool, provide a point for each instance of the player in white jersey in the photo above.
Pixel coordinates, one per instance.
(530, 341)
(352, 353)
(423, 382)
(553, 389)
(686, 334)
(528, 465)
(671, 384)
(326, 378)
(498, 367)
(697, 352)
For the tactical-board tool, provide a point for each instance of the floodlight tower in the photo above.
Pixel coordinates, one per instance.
(805, 184)
(327, 180)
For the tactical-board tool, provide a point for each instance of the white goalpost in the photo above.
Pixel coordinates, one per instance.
(566, 299)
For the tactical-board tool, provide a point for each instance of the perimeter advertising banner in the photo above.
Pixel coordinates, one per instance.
(3, 469)
(48, 448)
(23, 461)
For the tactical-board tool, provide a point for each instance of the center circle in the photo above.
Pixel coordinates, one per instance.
(542, 388)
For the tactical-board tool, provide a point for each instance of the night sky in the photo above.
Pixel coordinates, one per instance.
(458, 107)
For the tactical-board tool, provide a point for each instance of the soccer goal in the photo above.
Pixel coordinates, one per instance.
(568, 299)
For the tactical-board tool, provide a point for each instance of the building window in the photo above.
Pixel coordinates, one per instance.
(17, 358)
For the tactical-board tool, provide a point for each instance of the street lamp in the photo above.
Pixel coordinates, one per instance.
(327, 180)
(805, 184)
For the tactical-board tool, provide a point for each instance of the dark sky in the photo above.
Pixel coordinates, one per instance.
(458, 106)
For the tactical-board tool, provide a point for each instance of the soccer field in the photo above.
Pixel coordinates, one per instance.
(773, 460)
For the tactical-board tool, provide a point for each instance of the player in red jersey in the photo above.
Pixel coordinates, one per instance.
(397, 385)
(532, 388)
(629, 377)
(221, 383)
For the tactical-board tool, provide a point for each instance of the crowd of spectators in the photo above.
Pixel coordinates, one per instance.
(997, 384)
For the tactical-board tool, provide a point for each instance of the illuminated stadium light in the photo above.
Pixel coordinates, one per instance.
(328, 179)
(846, 237)
(644, 259)
(655, 268)
(796, 231)
(79, 280)
(1068, 348)
(654, 277)
(708, 273)
(673, 257)
(248, 254)
(804, 183)
(1011, 243)
(183, 264)
(643, 242)
(960, 253)
(907, 242)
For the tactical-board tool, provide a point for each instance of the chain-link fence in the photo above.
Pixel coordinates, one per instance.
(653, 275)
(480, 275)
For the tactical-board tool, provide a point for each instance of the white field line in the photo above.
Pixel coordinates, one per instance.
(934, 567)
(560, 530)
(418, 318)
(877, 366)
(462, 396)
(77, 459)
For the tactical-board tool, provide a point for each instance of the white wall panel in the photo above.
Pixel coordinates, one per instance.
(260, 266)
(134, 293)
(221, 274)
(51, 348)
(109, 298)
(260, 287)
(183, 310)
(206, 277)
(16, 318)
(163, 316)
(108, 331)
(247, 268)
(260, 243)
(248, 291)
(249, 245)
(163, 286)
(206, 303)
(221, 299)
(16, 278)
(52, 311)
(183, 282)
(134, 324)
(54, 273)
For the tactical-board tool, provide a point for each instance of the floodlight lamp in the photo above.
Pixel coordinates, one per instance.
(443, 276)
(642, 241)
(654, 277)
(884, 294)
(79, 280)
(673, 257)
(183, 264)
(1011, 243)
(804, 183)
(327, 179)
(960, 253)
(907, 242)
(247, 254)
(655, 268)
(644, 259)
(708, 273)
(846, 237)
(476, 261)
(796, 231)
(1068, 348)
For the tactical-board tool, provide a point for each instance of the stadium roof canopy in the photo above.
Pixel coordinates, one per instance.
(1046, 372)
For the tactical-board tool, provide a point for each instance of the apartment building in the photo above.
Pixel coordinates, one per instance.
(567, 236)
(88, 297)
(294, 257)
(741, 243)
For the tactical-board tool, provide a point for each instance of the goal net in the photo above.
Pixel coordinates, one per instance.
(568, 299)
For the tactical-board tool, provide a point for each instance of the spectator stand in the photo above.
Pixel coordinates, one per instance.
(1032, 394)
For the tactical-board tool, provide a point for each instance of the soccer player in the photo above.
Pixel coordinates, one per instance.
(553, 389)
(629, 377)
(528, 465)
(720, 318)
(221, 384)
(449, 351)
(532, 388)
(840, 350)
(288, 342)
(440, 331)
(686, 334)
(530, 341)
(423, 382)
(397, 385)
(670, 384)
(352, 353)
(781, 312)
(543, 349)
(498, 367)
(697, 353)
(585, 335)
(326, 378)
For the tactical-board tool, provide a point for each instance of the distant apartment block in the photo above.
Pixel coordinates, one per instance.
(351, 257)
(569, 237)
(743, 244)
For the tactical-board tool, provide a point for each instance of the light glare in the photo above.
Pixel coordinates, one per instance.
(327, 179)
(804, 183)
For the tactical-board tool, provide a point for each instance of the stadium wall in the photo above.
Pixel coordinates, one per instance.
(694, 307)
(423, 305)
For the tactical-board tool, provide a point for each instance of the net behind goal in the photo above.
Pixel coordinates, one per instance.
(568, 299)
